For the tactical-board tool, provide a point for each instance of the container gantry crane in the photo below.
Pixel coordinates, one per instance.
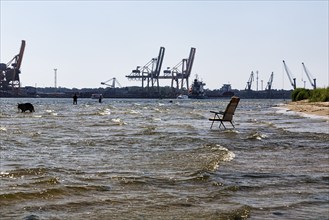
(182, 71)
(308, 74)
(149, 71)
(290, 76)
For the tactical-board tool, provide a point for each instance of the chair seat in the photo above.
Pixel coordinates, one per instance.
(217, 112)
(217, 119)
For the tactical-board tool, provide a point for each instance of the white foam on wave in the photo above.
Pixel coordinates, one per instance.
(105, 112)
(51, 112)
(134, 112)
(3, 129)
(222, 155)
(231, 131)
(117, 121)
(229, 154)
(257, 136)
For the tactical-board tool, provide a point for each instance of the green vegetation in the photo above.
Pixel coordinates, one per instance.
(316, 95)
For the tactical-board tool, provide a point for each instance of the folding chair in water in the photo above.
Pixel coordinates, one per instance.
(227, 115)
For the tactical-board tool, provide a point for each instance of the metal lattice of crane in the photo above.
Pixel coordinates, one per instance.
(112, 83)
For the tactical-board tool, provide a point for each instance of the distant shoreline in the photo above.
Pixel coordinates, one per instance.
(312, 108)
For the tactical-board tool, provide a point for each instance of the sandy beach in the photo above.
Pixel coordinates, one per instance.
(313, 108)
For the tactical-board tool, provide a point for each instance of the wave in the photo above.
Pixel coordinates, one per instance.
(104, 112)
(227, 155)
(149, 130)
(160, 180)
(238, 213)
(218, 154)
(50, 189)
(256, 136)
(30, 195)
(23, 172)
(117, 121)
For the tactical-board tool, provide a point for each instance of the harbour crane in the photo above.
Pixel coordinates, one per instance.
(182, 71)
(251, 79)
(114, 82)
(149, 71)
(308, 74)
(291, 78)
(9, 73)
(269, 83)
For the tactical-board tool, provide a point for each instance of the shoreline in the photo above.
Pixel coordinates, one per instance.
(311, 108)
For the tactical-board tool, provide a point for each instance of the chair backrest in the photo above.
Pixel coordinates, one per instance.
(230, 109)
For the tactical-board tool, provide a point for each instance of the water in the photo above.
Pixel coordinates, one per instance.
(156, 159)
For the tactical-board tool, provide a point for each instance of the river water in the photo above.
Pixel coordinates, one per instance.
(159, 159)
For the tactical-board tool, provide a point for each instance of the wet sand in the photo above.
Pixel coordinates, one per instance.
(313, 108)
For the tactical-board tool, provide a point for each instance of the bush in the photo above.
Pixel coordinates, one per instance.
(316, 95)
(300, 94)
(320, 95)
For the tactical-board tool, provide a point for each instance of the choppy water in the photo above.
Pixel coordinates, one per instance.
(153, 159)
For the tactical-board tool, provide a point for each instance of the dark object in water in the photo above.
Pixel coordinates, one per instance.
(26, 107)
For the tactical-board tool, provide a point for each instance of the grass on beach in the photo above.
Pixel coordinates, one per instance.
(316, 95)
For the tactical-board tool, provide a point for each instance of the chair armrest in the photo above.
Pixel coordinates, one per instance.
(222, 113)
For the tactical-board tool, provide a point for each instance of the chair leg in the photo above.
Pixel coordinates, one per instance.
(212, 124)
(213, 121)
(221, 123)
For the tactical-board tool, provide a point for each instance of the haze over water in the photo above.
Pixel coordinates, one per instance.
(155, 159)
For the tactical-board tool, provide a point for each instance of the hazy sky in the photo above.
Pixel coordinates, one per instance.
(93, 41)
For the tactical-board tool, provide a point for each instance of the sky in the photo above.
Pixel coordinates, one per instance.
(90, 42)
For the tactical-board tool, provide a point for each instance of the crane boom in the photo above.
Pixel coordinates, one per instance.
(16, 62)
(190, 62)
(159, 62)
(114, 81)
(291, 78)
(308, 74)
(20, 55)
